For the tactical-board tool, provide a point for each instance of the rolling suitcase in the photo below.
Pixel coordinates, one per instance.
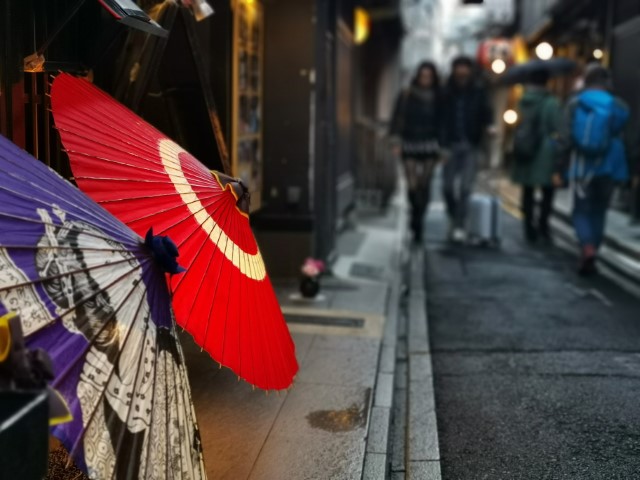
(484, 219)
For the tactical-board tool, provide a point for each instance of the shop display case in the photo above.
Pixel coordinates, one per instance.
(247, 146)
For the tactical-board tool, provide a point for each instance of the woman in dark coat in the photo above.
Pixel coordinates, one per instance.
(414, 125)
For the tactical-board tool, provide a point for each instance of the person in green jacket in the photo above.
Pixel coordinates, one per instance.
(540, 114)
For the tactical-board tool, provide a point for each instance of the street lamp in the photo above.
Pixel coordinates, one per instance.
(498, 66)
(598, 54)
(544, 51)
(362, 26)
(510, 117)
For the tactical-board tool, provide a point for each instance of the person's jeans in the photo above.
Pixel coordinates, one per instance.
(532, 228)
(459, 170)
(590, 211)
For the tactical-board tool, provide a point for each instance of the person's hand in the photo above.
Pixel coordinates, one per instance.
(557, 180)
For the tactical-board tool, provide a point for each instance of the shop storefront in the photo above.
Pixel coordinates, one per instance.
(264, 91)
(247, 142)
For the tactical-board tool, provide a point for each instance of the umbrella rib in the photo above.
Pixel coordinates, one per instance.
(111, 316)
(153, 400)
(144, 197)
(179, 418)
(132, 244)
(140, 142)
(241, 318)
(251, 319)
(167, 419)
(135, 386)
(61, 275)
(110, 376)
(60, 247)
(200, 181)
(202, 280)
(215, 289)
(200, 173)
(198, 227)
(83, 352)
(261, 326)
(97, 214)
(169, 209)
(46, 178)
(226, 324)
(191, 234)
(268, 295)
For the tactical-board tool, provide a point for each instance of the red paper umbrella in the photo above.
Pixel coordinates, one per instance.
(225, 299)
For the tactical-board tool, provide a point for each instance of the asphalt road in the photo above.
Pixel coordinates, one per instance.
(536, 371)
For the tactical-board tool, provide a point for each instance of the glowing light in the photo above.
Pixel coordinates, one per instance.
(598, 54)
(510, 117)
(498, 66)
(544, 51)
(362, 26)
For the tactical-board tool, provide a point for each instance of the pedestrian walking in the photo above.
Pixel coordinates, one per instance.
(414, 126)
(592, 159)
(466, 117)
(539, 116)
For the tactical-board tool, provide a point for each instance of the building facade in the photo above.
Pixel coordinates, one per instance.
(264, 90)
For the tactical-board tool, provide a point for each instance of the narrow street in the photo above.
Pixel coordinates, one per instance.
(536, 371)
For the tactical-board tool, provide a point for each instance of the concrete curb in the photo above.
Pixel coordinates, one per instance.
(422, 449)
(377, 458)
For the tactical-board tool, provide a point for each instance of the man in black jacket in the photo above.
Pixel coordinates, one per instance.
(467, 115)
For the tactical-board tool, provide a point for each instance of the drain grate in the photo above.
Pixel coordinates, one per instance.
(327, 321)
(366, 270)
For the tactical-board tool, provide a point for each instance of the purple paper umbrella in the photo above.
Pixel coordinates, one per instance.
(92, 294)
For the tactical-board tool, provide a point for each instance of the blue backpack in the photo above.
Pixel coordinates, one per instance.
(592, 126)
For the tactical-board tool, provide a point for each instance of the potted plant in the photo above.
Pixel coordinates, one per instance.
(310, 281)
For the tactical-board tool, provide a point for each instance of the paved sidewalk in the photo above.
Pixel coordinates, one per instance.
(334, 423)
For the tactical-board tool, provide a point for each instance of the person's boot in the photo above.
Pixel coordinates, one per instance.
(544, 233)
(416, 225)
(587, 266)
(530, 233)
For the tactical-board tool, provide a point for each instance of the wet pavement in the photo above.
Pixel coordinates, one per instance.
(537, 372)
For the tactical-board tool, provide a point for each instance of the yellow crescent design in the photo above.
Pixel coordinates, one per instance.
(250, 265)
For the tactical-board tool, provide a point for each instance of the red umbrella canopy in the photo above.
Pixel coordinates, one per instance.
(225, 299)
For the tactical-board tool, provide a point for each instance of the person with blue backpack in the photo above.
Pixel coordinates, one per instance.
(592, 159)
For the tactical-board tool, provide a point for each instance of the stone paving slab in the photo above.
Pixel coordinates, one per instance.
(384, 390)
(377, 440)
(287, 458)
(420, 368)
(375, 466)
(423, 429)
(424, 471)
(356, 366)
(399, 426)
